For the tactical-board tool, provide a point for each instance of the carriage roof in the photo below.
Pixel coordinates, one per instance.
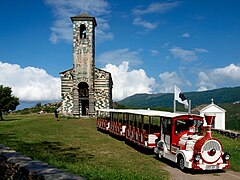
(146, 112)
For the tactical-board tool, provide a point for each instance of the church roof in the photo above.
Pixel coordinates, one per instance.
(84, 17)
(66, 71)
(204, 107)
(212, 105)
(102, 70)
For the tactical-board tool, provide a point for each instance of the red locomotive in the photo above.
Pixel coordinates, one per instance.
(179, 137)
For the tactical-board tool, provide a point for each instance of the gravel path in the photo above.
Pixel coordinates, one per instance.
(203, 175)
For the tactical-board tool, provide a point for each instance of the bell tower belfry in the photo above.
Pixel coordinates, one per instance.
(83, 64)
(85, 88)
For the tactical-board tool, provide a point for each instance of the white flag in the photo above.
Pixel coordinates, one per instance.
(179, 96)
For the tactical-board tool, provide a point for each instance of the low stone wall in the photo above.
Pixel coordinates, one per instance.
(228, 133)
(15, 166)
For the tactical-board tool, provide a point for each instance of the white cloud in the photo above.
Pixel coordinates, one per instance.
(186, 35)
(186, 55)
(30, 83)
(101, 30)
(169, 79)
(148, 25)
(61, 30)
(153, 8)
(127, 83)
(219, 77)
(204, 82)
(63, 10)
(200, 50)
(154, 52)
(119, 55)
(232, 72)
(158, 8)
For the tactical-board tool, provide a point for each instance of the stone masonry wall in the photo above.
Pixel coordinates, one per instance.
(15, 166)
(103, 89)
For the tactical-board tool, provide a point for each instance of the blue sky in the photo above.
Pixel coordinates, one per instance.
(147, 45)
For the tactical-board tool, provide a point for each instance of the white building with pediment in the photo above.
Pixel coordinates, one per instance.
(219, 122)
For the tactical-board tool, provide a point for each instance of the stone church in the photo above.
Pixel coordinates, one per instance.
(85, 88)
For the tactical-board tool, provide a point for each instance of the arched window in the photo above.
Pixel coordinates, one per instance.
(83, 89)
(83, 31)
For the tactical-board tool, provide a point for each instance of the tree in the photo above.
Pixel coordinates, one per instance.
(38, 105)
(7, 100)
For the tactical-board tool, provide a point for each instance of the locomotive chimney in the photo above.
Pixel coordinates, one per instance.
(209, 117)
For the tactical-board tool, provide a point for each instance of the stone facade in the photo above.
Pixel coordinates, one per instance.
(85, 88)
(103, 89)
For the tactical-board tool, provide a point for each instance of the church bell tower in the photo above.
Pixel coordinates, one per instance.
(83, 64)
(85, 88)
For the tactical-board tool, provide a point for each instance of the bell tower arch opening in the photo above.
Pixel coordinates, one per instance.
(83, 32)
(83, 92)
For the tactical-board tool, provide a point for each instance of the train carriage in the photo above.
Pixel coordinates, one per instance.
(178, 137)
(143, 127)
(103, 120)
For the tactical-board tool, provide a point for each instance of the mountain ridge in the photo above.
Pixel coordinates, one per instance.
(165, 100)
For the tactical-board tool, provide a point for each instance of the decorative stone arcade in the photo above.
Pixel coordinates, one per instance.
(84, 87)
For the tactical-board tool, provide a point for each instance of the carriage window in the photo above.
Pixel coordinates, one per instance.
(115, 117)
(120, 118)
(111, 116)
(103, 115)
(107, 116)
(183, 125)
(138, 120)
(167, 126)
(146, 123)
(155, 126)
(125, 119)
(131, 117)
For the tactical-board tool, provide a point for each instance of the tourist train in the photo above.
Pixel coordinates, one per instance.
(179, 137)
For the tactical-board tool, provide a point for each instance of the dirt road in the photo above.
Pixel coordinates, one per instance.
(203, 175)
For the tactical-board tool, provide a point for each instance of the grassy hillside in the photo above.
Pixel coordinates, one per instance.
(224, 97)
(232, 115)
(165, 100)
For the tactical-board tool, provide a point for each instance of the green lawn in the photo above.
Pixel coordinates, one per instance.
(231, 146)
(76, 146)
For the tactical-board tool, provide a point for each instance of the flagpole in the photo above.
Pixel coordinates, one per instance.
(189, 106)
(174, 106)
(174, 101)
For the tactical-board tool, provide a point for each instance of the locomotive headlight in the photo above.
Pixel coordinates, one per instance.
(226, 156)
(197, 157)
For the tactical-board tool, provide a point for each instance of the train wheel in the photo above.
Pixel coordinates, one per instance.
(181, 163)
